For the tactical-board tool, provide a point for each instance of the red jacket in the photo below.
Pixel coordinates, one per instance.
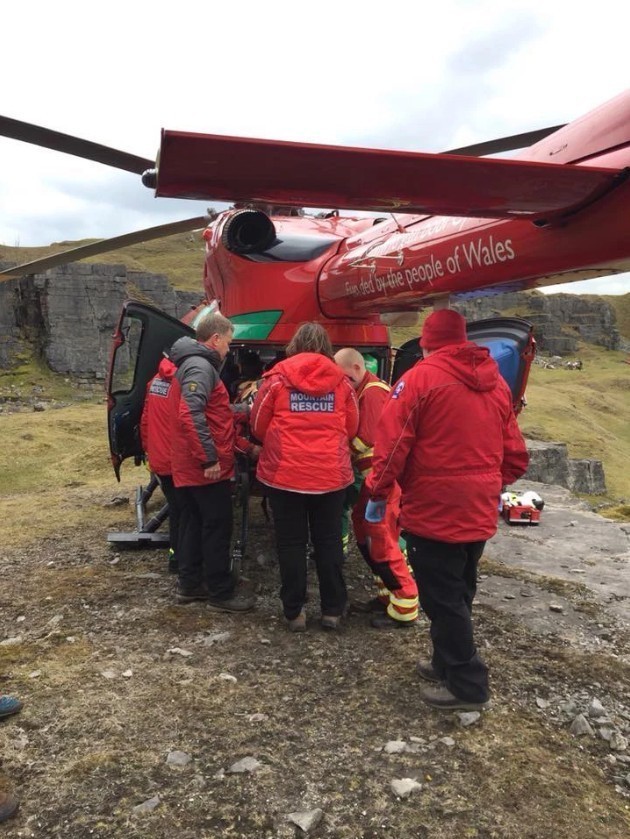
(372, 395)
(155, 424)
(448, 434)
(202, 431)
(305, 413)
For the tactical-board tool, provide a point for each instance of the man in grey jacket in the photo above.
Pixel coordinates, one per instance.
(203, 442)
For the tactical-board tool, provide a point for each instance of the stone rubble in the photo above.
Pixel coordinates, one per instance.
(245, 764)
(404, 787)
(306, 820)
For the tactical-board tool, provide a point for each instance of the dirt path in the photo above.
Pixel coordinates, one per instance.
(115, 677)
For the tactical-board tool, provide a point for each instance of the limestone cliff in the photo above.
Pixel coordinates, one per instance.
(560, 320)
(69, 314)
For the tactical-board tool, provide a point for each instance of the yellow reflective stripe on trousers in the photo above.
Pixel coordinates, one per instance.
(401, 616)
(380, 585)
(404, 602)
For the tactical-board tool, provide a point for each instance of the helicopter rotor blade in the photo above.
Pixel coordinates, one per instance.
(26, 132)
(38, 266)
(501, 144)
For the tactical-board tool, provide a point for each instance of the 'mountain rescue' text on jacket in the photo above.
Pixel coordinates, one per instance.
(305, 413)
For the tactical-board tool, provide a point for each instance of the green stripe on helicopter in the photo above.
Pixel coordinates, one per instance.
(255, 326)
(252, 326)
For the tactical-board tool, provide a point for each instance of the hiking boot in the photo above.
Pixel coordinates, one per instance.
(368, 606)
(426, 671)
(442, 699)
(331, 622)
(236, 603)
(387, 622)
(9, 705)
(8, 806)
(297, 624)
(190, 595)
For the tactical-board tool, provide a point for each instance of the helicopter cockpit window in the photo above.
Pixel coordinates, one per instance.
(126, 356)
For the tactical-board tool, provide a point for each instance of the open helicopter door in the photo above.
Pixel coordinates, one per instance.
(142, 336)
(511, 344)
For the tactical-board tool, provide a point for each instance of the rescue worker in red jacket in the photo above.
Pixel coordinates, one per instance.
(378, 541)
(203, 441)
(155, 432)
(449, 436)
(305, 413)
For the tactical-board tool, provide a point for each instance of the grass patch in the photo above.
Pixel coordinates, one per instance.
(621, 305)
(588, 409)
(618, 512)
(55, 474)
(53, 449)
(32, 378)
(91, 763)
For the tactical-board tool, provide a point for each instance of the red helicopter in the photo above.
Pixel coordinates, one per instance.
(451, 225)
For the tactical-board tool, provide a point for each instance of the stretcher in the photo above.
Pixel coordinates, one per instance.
(524, 509)
(520, 514)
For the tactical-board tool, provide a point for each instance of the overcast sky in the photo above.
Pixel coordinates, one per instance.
(423, 76)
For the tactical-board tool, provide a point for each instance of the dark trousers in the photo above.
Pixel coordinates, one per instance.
(295, 515)
(446, 575)
(205, 536)
(174, 508)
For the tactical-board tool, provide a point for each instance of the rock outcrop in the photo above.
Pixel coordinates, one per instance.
(13, 340)
(560, 320)
(549, 463)
(69, 314)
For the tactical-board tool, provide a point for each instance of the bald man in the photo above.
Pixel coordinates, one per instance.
(378, 541)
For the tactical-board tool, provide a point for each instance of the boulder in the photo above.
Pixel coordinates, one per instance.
(549, 463)
(586, 476)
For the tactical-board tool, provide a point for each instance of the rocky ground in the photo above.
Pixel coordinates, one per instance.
(143, 718)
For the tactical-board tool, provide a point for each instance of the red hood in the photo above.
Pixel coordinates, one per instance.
(469, 363)
(167, 369)
(310, 373)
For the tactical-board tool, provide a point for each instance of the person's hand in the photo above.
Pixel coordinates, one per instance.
(212, 473)
(375, 511)
(255, 452)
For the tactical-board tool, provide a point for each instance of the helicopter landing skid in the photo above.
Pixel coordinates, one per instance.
(146, 535)
(135, 539)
